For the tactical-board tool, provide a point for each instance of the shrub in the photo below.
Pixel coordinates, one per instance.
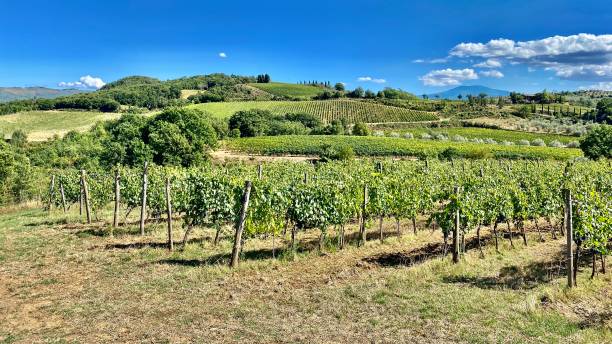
(441, 137)
(538, 143)
(508, 143)
(556, 144)
(573, 144)
(459, 138)
(360, 129)
(408, 136)
(425, 136)
(378, 133)
(490, 141)
(598, 143)
(524, 143)
(394, 134)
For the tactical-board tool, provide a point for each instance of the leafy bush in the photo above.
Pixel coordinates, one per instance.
(360, 129)
(556, 144)
(538, 143)
(598, 143)
(524, 143)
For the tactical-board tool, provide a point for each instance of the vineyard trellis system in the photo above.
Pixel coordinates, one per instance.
(267, 200)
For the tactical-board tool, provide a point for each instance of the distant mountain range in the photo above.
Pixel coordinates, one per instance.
(468, 90)
(17, 93)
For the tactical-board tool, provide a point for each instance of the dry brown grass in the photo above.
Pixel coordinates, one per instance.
(73, 282)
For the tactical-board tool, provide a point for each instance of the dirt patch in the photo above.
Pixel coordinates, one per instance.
(225, 155)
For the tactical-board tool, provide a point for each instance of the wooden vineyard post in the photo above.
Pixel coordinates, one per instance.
(260, 172)
(51, 189)
(117, 200)
(306, 177)
(81, 197)
(362, 230)
(85, 196)
(240, 224)
(143, 207)
(456, 232)
(63, 195)
(569, 231)
(169, 214)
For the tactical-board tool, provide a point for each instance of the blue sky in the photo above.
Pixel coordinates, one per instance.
(382, 42)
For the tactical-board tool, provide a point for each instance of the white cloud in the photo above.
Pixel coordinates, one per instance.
(489, 63)
(448, 77)
(437, 60)
(370, 79)
(582, 56)
(492, 74)
(601, 86)
(86, 81)
(222, 55)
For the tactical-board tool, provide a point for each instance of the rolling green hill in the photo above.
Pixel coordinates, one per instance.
(41, 125)
(281, 89)
(327, 110)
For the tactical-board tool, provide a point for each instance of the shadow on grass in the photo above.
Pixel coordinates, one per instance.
(423, 253)
(224, 258)
(145, 244)
(521, 277)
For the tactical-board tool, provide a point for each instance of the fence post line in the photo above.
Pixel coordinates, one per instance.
(569, 232)
(240, 225)
(456, 232)
(117, 199)
(362, 230)
(51, 189)
(63, 194)
(85, 196)
(143, 207)
(169, 214)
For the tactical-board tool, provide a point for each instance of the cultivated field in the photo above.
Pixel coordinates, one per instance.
(327, 110)
(41, 125)
(498, 135)
(390, 146)
(281, 89)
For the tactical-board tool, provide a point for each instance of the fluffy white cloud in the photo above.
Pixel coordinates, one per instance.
(448, 77)
(601, 86)
(370, 79)
(222, 55)
(489, 63)
(86, 81)
(438, 60)
(583, 56)
(492, 74)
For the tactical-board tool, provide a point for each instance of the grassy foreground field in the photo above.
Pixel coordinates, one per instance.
(41, 125)
(327, 110)
(388, 146)
(66, 282)
(282, 89)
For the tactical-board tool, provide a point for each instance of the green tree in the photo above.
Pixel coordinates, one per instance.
(598, 143)
(360, 129)
(339, 87)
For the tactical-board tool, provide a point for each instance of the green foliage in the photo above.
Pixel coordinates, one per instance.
(360, 129)
(598, 143)
(326, 110)
(289, 91)
(388, 146)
